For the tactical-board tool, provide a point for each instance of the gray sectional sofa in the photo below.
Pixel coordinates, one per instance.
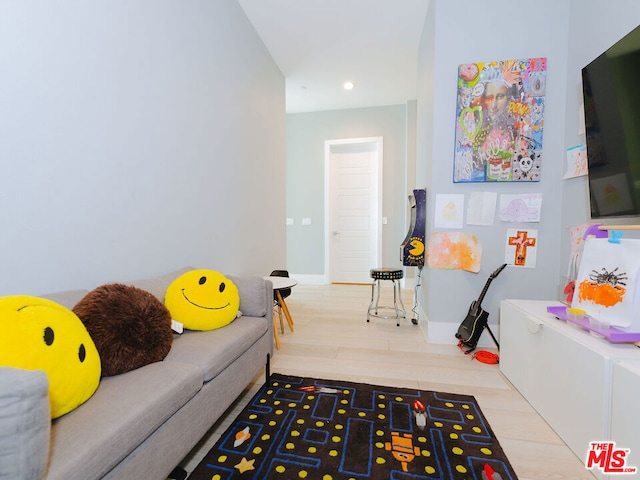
(140, 424)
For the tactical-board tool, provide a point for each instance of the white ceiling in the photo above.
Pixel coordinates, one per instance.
(320, 44)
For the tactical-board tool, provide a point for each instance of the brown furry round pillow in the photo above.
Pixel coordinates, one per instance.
(129, 326)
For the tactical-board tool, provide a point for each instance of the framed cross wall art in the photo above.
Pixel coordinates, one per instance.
(499, 121)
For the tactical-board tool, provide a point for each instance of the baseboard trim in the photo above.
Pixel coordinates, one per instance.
(445, 332)
(307, 279)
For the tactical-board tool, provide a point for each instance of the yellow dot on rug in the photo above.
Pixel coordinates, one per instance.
(275, 384)
(280, 469)
(422, 439)
(453, 436)
(399, 399)
(379, 433)
(257, 451)
(380, 461)
(346, 392)
(486, 451)
(336, 439)
(262, 400)
(290, 446)
(342, 411)
(312, 450)
(222, 458)
(295, 433)
(362, 414)
(456, 451)
(216, 477)
(311, 397)
(438, 424)
(279, 412)
(449, 404)
(333, 453)
(381, 416)
(288, 385)
(276, 402)
(344, 402)
(461, 469)
(300, 421)
(253, 416)
(381, 396)
(265, 437)
(302, 474)
(273, 423)
(381, 405)
(292, 405)
(306, 407)
(339, 426)
(379, 444)
(457, 427)
(327, 477)
(426, 453)
(430, 470)
(269, 392)
(477, 429)
(470, 417)
(465, 406)
(319, 424)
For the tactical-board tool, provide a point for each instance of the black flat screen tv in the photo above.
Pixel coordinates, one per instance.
(611, 94)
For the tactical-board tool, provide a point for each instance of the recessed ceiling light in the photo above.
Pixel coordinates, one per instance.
(348, 85)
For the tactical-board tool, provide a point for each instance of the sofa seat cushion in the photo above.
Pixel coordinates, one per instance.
(124, 411)
(212, 351)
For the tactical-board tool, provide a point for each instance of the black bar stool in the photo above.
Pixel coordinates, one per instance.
(394, 275)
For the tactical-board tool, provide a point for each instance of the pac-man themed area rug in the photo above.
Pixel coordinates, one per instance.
(306, 428)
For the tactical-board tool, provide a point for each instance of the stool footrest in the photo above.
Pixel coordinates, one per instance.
(393, 275)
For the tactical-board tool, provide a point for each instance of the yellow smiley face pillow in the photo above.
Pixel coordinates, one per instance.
(202, 300)
(39, 334)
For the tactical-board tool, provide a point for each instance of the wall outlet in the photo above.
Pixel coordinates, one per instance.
(306, 221)
(289, 221)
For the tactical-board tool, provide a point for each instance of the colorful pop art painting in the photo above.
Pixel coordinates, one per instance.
(499, 121)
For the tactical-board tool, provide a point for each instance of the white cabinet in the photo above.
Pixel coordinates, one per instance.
(625, 427)
(563, 371)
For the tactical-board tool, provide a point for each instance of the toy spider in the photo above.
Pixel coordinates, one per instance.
(611, 278)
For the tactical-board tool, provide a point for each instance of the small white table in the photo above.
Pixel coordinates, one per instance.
(281, 283)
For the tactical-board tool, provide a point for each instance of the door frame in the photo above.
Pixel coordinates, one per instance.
(376, 202)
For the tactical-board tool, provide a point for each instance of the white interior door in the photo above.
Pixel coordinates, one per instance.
(353, 208)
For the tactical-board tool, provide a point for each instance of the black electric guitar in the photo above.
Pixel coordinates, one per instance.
(475, 322)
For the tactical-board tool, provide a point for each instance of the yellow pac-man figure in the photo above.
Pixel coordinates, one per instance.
(418, 247)
(39, 334)
(202, 300)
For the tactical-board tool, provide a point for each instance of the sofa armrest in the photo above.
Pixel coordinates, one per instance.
(252, 291)
(25, 423)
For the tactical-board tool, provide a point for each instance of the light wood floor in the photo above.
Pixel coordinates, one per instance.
(333, 340)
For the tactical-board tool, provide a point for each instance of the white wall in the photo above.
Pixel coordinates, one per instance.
(306, 134)
(465, 31)
(136, 136)
(594, 27)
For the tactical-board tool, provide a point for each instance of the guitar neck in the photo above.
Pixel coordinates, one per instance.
(478, 302)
